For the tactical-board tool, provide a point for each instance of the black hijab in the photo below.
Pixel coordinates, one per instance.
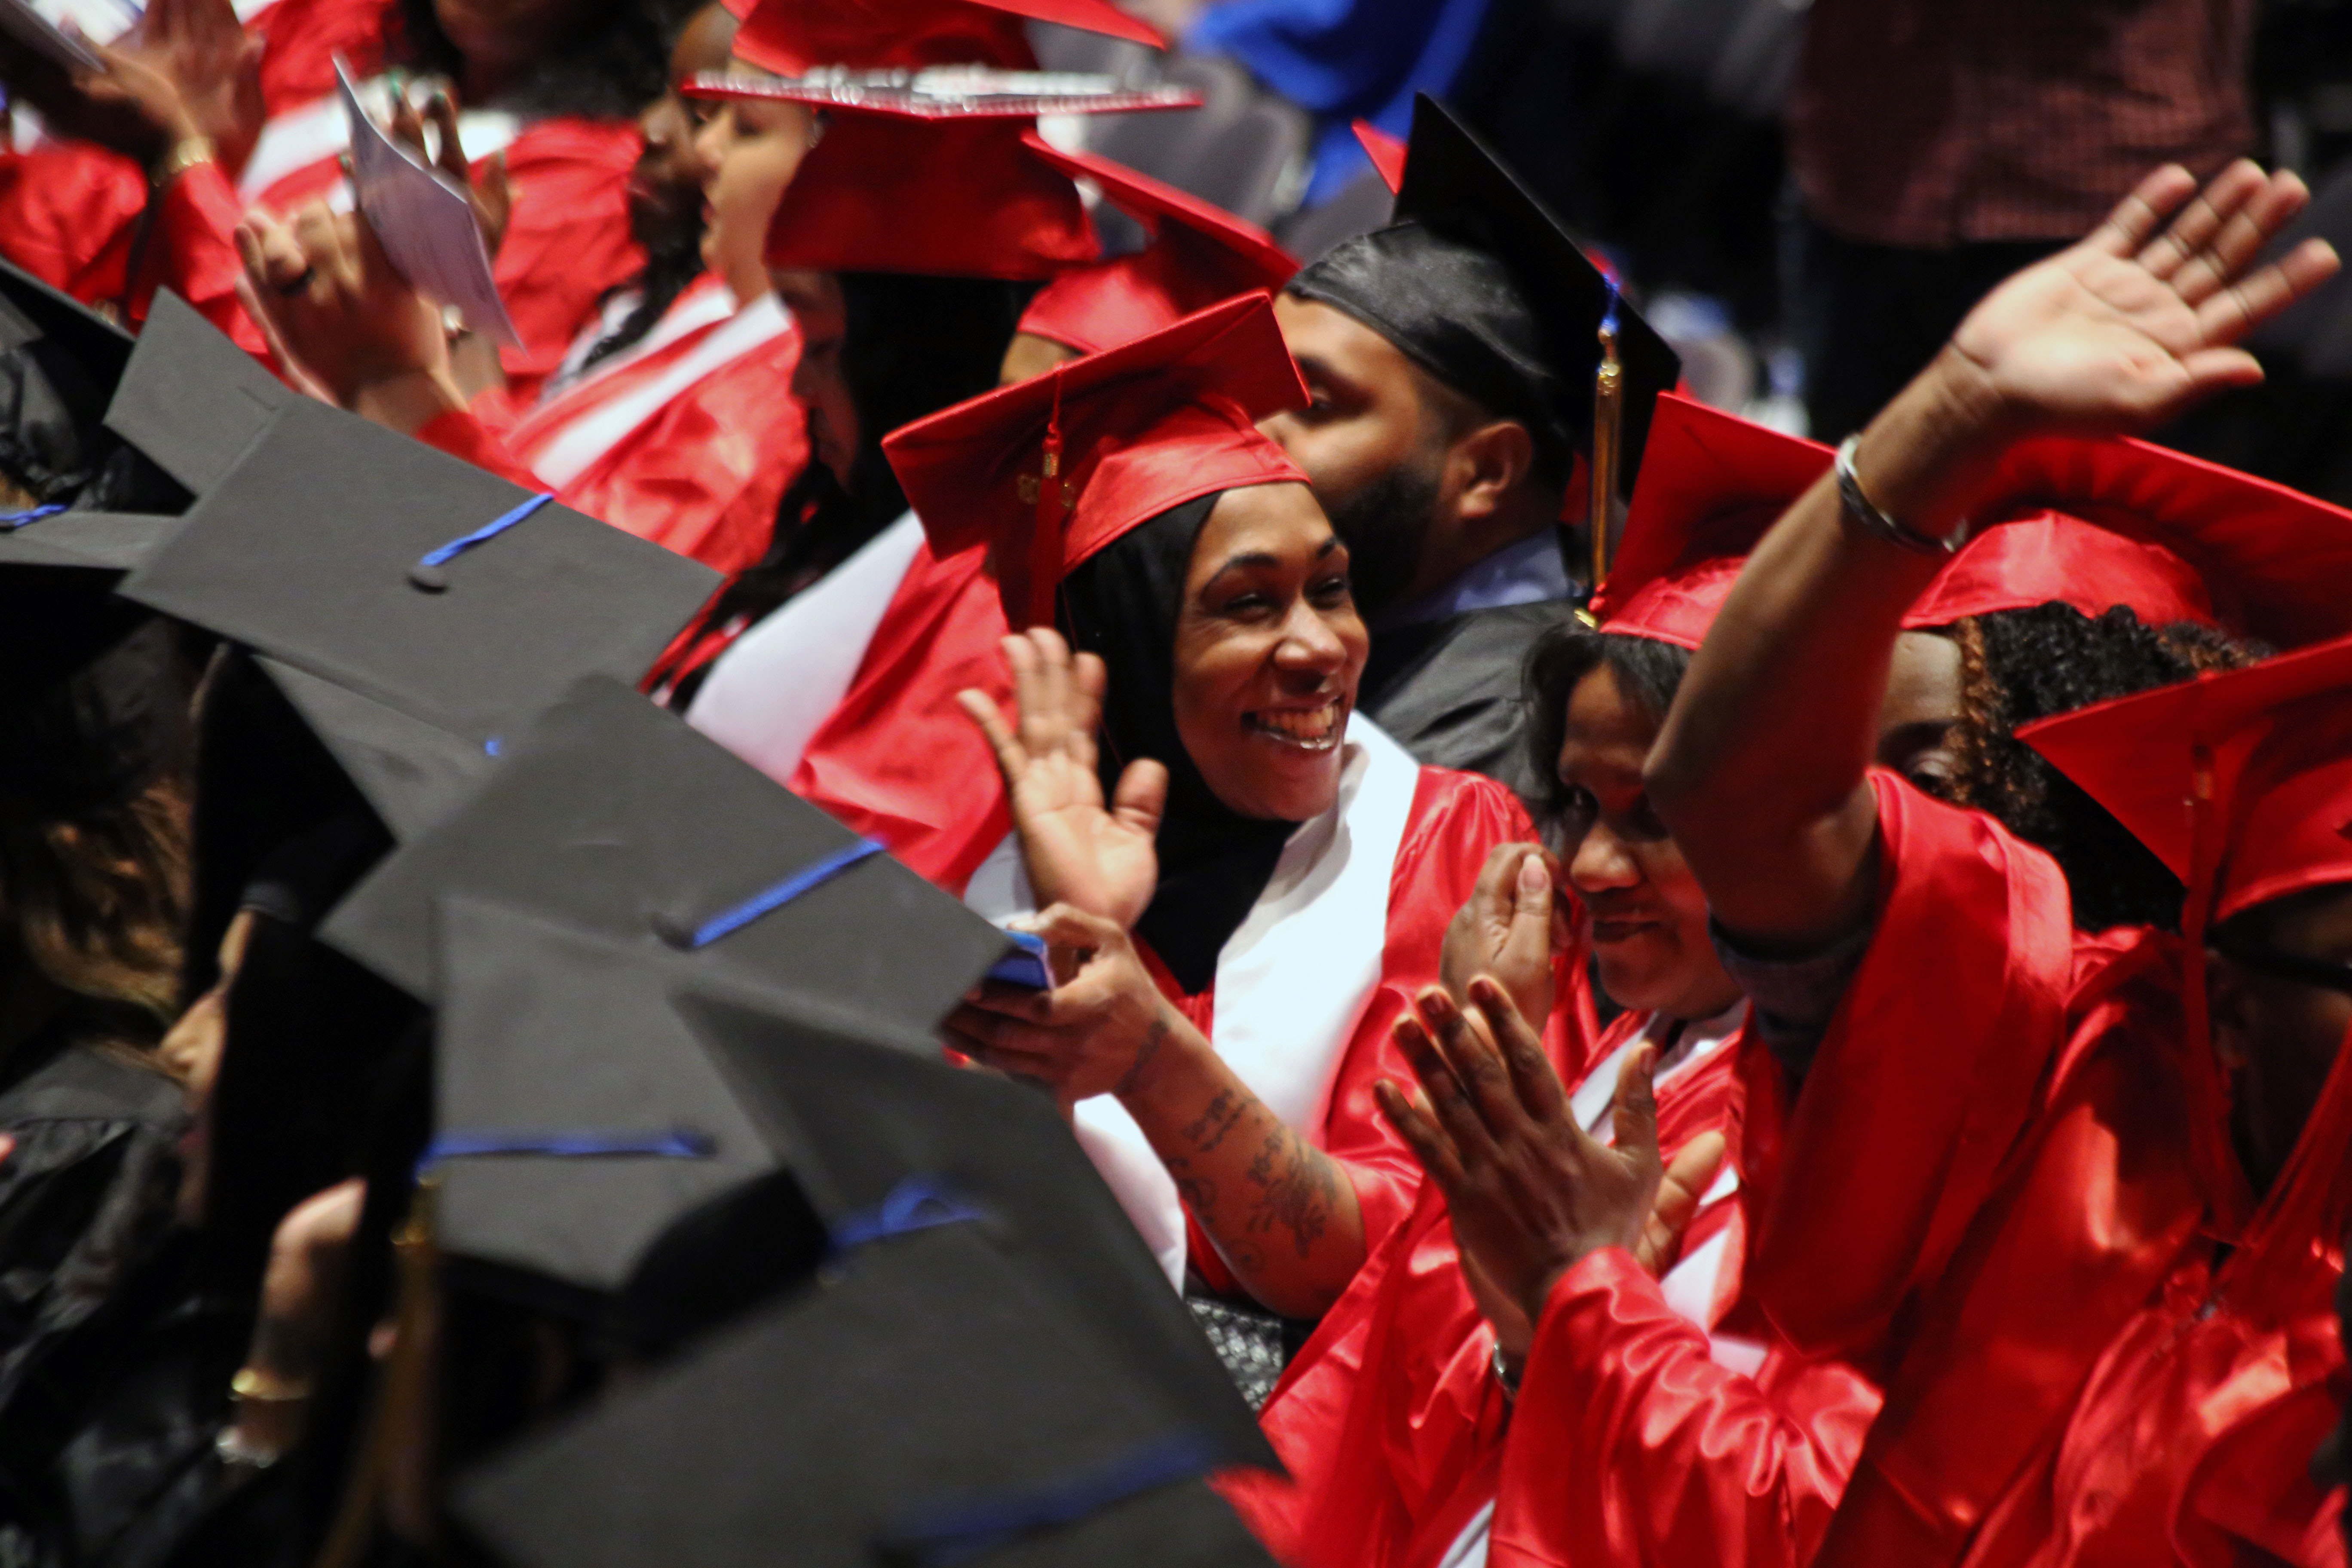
(1123, 604)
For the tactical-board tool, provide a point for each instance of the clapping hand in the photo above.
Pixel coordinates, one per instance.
(330, 297)
(1529, 1191)
(1099, 858)
(2141, 318)
(1512, 928)
(187, 68)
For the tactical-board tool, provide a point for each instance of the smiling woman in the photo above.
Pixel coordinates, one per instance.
(1243, 878)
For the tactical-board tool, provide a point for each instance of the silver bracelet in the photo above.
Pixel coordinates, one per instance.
(1863, 509)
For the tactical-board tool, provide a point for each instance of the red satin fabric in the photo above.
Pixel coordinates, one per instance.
(301, 38)
(68, 213)
(959, 199)
(1930, 1070)
(2097, 1383)
(702, 476)
(1456, 819)
(568, 244)
(898, 759)
(461, 434)
(1630, 1445)
(1389, 1420)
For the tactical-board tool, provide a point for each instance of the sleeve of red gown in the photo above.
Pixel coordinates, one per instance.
(1930, 1072)
(568, 242)
(703, 477)
(1628, 1443)
(70, 214)
(461, 434)
(194, 252)
(67, 211)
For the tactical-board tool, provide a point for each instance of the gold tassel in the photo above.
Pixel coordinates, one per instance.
(1607, 430)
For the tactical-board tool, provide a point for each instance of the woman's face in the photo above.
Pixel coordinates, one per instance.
(1921, 709)
(820, 381)
(1269, 651)
(1649, 916)
(665, 186)
(749, 152)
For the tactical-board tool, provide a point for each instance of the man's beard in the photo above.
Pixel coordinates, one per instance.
(1385, 526)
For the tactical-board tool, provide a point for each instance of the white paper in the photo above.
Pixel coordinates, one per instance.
(47, 27)
(426, 224)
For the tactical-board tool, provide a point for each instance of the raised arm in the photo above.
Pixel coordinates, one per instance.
(1759, 770)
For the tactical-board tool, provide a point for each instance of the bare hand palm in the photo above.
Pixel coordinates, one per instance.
(2129, 327)
(1100, 857)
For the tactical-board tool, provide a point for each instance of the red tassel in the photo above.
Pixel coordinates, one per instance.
(1046, 525)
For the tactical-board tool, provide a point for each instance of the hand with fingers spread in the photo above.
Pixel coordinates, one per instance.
(187, 70)
(1512, 928)
(1096, 1032)
(1531, 1192)
(327, 294)
(490, 193)
(2125, 329)
(1078, 851)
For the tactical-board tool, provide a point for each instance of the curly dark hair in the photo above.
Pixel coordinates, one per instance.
(1648, 671)
(2016, 665)
(614, 60)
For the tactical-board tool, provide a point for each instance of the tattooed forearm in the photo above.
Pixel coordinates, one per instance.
(1297, 1188)
(1225, 1113)
(1150, 1048)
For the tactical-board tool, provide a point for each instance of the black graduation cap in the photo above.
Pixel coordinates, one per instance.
(95, 696)
(414, 608)
(187, 401)
(190, 399)
(611, 815)
(1457, 189)
(937, 1402)
(577, 1116)
(863, 1123)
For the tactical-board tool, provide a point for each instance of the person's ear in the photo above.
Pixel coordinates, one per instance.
(2232, 1010)
(1490, 462)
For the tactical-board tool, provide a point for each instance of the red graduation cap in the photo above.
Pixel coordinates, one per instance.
(947, 196)
(1054, 468)
(2240, 782)
(2176, 538)
(795, 36)
(1386, 151)
(1711, 485)
(1199, 254)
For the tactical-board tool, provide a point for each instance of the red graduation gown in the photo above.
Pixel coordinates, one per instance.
(700, 473)
(898, 759)
(1455, 819)
(2097, 1382)
(1630, 1443)
(1389, 1420)
(70, 214)
(69, 210)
